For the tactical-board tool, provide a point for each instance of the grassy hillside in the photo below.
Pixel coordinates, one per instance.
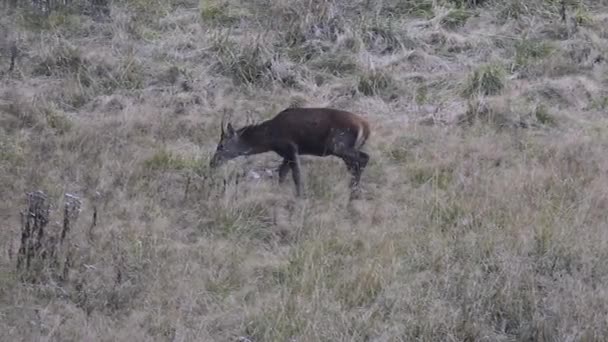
(485, 207)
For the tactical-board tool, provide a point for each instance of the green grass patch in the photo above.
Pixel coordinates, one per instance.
(243, 220)
(336, 63)
(375, 82)
(164, 160)
(381, 37)
(528, 52)
(246, 63)
(489, 79)
(362, 288)
(440, 177)
(542, 115)
(467, 3)
(220, 12)
(58, 121)
(62, 59)
(61, 19)
(11, 153)
(148, 11)
(456, 18)
(401, 150)
(406, 8)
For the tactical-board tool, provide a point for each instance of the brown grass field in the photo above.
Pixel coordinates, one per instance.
(484, 214)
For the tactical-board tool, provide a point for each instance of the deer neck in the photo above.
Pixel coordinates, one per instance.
(258, 137)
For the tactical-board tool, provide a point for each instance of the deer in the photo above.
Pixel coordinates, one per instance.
(300, 131)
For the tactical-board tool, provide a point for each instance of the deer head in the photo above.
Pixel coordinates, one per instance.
(230, 146)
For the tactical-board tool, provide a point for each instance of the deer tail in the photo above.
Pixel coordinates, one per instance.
(362, 135)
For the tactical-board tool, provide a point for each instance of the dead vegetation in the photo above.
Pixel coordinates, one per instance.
(484, 207)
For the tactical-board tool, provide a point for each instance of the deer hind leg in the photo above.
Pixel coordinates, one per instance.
(342, 146)
(362, 160)
(355, 161)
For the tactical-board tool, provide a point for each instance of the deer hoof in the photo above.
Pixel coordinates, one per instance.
(356, 194)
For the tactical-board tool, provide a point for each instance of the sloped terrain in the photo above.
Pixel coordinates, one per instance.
(484, 210)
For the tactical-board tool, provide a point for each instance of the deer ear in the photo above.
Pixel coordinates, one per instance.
(230, 129)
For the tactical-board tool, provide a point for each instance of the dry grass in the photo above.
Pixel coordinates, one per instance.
(485, 207)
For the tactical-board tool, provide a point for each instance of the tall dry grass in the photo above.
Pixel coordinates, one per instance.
(485, 207)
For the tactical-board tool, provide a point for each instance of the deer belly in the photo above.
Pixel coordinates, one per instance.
(314, 149)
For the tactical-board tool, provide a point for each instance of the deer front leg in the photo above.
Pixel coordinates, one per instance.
(295, 172)
(283, 170)
(293, 161)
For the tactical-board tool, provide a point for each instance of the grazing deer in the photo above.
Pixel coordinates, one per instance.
(300, 131)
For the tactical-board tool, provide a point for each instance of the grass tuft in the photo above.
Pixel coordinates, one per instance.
(530, 51)
(486, 80)
(456, 18)
(375, 82)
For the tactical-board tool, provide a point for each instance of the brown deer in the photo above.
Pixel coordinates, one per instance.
(300, 131)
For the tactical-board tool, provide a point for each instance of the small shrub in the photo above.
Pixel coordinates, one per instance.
(61, 18)
(297, 101)
(416, 8)
(170, 76)
(293, 36)
(547, 9)
(148, 11)
(307, 51)
(446, 215)
(315, 257)
(582, 16)
(513, 9)
(126, 74)
(281, 323)
(105, 78)
(440, 176)
(530, 51)
(599, 103)
(62, 59)
(486, 113)
(381, 38)
(164, 160)
(88, 79)
(401, 151)
(58, 121)
(247, 64)
(337, 64)
(45, 255)
(11, 153)
(542, 115)
(219, 13)
(375, 83)
(74, 95)
(363, 289)
(18, 113)
(251, 219)
(467, 3)
(455, 18)
(504, 112)
(421, 94)
(67, 21)
(210, 10)
(486, 80)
